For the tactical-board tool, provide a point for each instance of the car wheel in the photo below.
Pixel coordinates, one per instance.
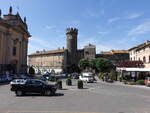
(47, 93)
(19, 93)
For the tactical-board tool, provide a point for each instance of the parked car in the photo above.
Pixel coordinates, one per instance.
(25, 86)
(87, 77)
(18, 81)
(147, 81)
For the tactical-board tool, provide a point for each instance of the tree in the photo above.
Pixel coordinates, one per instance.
(92, 63)
(104, 65)
(83, 63)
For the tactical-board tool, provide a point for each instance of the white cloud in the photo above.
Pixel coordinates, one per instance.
(133, 38)
(129, 17)
(102, 32)
(111, 20)
(140, 29)
(134, 16)
(50, 27)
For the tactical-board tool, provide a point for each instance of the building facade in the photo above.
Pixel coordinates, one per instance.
(46, 61)
(62, 60)
(141, 53)
(13, 43)
(89, 51)
(115, 55)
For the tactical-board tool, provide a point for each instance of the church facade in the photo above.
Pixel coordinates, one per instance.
(13, 43)
(64, 59)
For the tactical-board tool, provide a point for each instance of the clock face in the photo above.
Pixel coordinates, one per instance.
(70, 37)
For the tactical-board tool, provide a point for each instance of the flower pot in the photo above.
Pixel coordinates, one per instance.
(59, 84)
(69, 82)
(80, 84)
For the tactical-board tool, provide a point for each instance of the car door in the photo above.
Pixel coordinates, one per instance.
(38, 86)
(29, 87)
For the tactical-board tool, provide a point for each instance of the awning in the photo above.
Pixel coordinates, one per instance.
(134, 69)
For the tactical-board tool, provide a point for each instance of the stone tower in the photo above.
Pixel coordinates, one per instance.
(72, 45)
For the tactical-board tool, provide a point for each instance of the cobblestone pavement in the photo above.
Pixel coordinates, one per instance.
(97, 97)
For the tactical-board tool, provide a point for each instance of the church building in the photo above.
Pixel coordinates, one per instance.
(14, 37)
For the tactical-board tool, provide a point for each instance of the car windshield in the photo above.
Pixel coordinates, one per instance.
(88, 76)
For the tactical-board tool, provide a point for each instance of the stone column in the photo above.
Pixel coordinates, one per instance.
(4, 49)
(25, 51)
(8, 47)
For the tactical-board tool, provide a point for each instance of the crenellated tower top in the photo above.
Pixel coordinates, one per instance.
(71, 30)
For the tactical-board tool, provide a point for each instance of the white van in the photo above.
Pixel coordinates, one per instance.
(87, 77)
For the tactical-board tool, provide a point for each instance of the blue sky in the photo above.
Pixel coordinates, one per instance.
(108, 24)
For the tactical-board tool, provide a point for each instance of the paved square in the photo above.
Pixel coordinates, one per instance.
(95, 98)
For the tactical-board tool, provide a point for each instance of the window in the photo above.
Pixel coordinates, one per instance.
(38, 83)
(33, 82)
(14, 51)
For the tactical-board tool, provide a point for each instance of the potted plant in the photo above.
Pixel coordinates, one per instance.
(80, 84)
(68, 82)
(59, 84)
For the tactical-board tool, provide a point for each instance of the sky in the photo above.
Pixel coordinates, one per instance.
(108, 24)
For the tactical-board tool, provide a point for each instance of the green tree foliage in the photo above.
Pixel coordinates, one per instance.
(99, 64)
(104, 65)
(92, 63)
(84, 63)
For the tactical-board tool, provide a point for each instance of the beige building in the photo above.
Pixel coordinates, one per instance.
(141, 53)
(13, 43)
(46, 61)
(89, 51)
(62, 60)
